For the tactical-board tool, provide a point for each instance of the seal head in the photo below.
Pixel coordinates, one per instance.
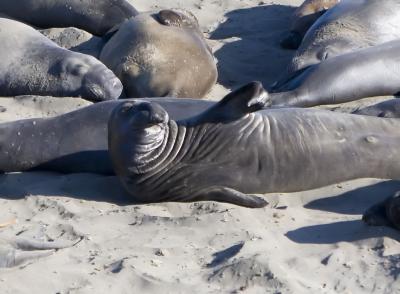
(88, 78)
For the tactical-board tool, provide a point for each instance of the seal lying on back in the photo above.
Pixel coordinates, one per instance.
(161, 54)
(369, 72)
(31, 64)
(95, 17)
(72, 142)
(346, 27)
(231, 150)
(303, 18)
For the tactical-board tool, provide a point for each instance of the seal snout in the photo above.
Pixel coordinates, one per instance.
(102, 84)
(145, 114)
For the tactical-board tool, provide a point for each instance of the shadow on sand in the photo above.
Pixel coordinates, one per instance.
(345, 231)
(90, 187)
(356, 201)
(251, 50)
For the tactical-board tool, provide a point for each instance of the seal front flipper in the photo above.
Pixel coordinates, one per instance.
(247, 99)
(228, 195)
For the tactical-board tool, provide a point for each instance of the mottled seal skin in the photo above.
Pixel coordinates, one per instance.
(387, 109)
(385, 213)
(348, 26)
(303, 18)
(31, 64)
(72, 142)
(93, 16)
(231, 150)
(166, 55)
(369, 72)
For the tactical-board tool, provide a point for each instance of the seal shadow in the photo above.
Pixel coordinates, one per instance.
(344, 231)
(251, 49)
(84, 186)
(356, 201)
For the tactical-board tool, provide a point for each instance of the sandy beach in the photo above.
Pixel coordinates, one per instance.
(306, 242)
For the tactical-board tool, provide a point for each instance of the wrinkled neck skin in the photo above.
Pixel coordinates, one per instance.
(268, 151)
(175, 165)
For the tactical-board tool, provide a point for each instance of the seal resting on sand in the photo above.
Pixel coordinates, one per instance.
(31, 64)
(348, 26)
(75, 141)
(388, 109)
(161, 54)
(373, 71)
(303, 18)
(96, 17)
(232, 150)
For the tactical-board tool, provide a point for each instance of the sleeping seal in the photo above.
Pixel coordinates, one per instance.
(347, 27)
(368, 72)
(303, 18)
(161, 54)
(31, 64)
(95, 17)
(387, 109)
(231, 150)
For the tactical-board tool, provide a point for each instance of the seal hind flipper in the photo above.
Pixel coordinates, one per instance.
(247, 99)
(177, 18)
(228, 195)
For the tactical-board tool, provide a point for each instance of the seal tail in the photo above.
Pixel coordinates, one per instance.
(228, 195)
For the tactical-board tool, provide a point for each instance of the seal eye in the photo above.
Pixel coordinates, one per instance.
(77, 70)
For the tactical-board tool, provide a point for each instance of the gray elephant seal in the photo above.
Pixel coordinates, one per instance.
(303, 18)
(31, 64)
(230, 151)
(166, 55)
(369, 72)
(387, 109)
(96, 17)
(72, 142)
(347, 27)
(385, 213)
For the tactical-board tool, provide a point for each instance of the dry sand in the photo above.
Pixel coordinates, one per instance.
(308, 242)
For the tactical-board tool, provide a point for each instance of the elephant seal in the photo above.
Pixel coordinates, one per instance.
(72, 142)
(32, 64)
(303, 18)
(166, 55)
(96, 17)
(386, 109)
(385, 213)
(348, 26)
(368, 72)
(231, 149)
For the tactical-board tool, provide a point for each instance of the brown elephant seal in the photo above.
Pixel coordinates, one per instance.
(385, 213)
(166, 55)
(386, 109)
(369, 72)
(75, 141)
(231, 150)
(303, 18)
(96, 17)
(348, 26)
(31, 64)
